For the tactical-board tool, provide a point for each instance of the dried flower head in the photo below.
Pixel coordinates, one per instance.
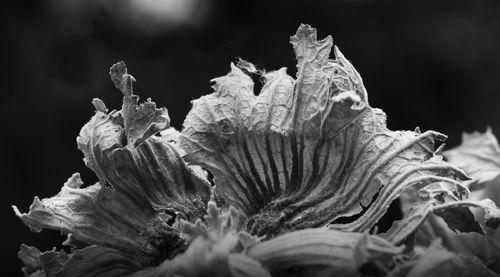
(303, 172)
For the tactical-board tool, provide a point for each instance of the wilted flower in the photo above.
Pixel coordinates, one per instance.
(303, 172)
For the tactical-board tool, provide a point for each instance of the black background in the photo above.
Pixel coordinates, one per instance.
(433, 64)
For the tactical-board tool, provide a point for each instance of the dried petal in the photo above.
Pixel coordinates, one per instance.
(100, 215)
(216, 248)
(99, 261)
(89, 261)
(438, 262)
(203, 258)
(41, 264)
(456, 213)
(140, 122)
(307, 152)
(468, 227)
(152, 170)
(143, 183)
(218, 225)
(308, 252)
(479, 157)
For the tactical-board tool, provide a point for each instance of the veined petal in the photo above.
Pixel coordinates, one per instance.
(307, 152)
(479, 156)
(441, 201)
(139, 122)
(310, 251)
(121, 149)
(89, 261)
(100, 215)
(143, 183)
(99, 261)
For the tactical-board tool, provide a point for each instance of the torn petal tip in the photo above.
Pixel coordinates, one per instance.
(99, 105)
(16, 211)
(248, 66)
(123, 81)
(307, 31)
(74, 181)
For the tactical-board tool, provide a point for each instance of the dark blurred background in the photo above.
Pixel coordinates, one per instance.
(433, 64)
